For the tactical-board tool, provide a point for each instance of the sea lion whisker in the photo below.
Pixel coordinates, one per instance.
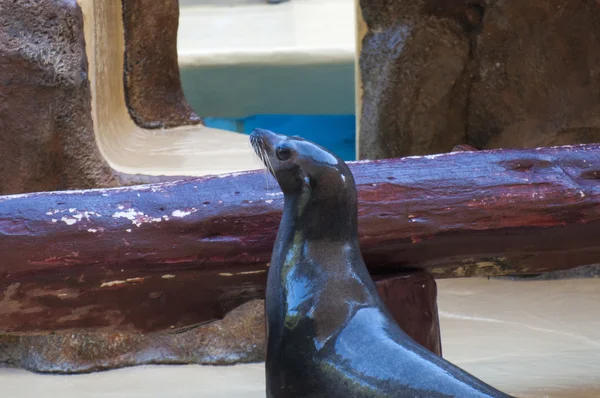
(271, 170)
(262, 155)
(269, 164)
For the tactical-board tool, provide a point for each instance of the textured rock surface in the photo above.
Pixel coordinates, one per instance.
(587, 271)
(492, 74)
(152, 87)
(238, 338)
(46, 134)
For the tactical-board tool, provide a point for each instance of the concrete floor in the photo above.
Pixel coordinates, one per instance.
(531, 339)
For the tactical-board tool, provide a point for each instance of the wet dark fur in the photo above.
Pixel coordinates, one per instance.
(328, 332)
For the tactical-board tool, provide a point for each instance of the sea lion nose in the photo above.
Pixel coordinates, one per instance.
(262, 134)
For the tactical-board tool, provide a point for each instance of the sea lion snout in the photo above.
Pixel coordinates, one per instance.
(265, 144)
(260, 133)
(265, 140)
(278, 153)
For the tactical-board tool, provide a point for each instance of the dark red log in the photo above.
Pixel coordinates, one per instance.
(151, 257)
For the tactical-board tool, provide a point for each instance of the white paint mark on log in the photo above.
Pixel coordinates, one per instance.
(183, 213)
(68, 221)
(130, 214)
(112, 283)
(137, 218)
(121, 282)
(435, 156)
(260, 271)
(236, 174)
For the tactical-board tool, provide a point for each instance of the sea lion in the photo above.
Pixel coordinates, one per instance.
(329, 334)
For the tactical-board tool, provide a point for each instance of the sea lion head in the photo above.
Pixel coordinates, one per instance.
(303, 167)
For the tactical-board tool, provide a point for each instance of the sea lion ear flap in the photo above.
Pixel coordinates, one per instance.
(306, 184)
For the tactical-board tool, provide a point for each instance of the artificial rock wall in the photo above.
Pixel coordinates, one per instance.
(488, 73)
(46, 130)
(47, 137)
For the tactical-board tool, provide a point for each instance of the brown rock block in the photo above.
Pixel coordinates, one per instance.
(46, 133)
(538, 73)
(414, 71)
(491, 74)
(153, 89)
(412, 299)
(238, 338)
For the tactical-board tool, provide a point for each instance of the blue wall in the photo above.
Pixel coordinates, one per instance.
(334, 132)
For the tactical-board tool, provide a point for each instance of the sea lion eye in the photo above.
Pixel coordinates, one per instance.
(283, 153)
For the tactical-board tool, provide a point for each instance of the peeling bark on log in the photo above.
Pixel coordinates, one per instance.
(173, 254)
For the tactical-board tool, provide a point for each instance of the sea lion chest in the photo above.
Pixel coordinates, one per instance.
(312, 293)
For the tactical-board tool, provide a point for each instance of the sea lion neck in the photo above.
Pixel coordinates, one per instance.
(321, 218)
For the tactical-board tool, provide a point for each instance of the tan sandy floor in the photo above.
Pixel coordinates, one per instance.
(531, 339)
